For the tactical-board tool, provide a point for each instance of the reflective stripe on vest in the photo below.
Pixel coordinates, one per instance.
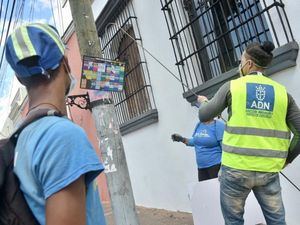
(259, 132)
(255, 152)
(256, 137)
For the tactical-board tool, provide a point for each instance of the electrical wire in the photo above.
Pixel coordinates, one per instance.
(2, 33)
(52, 9)
(32, 9)
(9, 23)
(18, 14)
(3, 27)
(11, 86)
(4, 71)
(2, 82)
(22, 11)
(292, 183)
(4, 65)
(1, 8)
(18, 18)
(7, 32)
(60, 15)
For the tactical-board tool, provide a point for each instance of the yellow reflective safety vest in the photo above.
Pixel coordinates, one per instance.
(256, 137)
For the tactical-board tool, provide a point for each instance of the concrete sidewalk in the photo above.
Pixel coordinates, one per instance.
(148, 216)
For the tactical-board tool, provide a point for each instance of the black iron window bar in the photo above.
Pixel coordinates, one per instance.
(209, 36)
(137, 97)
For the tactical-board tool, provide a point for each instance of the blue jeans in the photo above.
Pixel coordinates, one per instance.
(235, 185)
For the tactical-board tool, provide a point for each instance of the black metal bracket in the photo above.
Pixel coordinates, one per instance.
(81, 101)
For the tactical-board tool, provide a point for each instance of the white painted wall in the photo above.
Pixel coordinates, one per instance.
(291, 80)
(160, 170)
(7, 129)
(98, 6)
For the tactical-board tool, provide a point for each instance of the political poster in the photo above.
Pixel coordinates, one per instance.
(102, 74)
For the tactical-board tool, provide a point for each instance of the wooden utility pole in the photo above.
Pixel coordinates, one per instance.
(108, 131)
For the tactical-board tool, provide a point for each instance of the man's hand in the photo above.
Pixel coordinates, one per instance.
(177, 138)
(202, 98)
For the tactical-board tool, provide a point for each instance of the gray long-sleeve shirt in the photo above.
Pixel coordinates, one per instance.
(222, 99)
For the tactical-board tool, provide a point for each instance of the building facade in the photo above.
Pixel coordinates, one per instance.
(15, 115)
(200, 42)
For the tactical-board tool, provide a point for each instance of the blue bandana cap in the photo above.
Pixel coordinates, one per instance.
(34, 48)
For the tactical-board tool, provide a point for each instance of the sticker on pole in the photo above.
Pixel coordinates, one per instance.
(102, 74)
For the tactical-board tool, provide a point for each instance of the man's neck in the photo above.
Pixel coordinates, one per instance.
(47, 100)
(44, 105)
(255, 72)
(209, 122)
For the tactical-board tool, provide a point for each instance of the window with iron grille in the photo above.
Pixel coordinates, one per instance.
(209, 36)
(120, 40)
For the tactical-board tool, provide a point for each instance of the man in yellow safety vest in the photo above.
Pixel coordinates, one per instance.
(256, 142)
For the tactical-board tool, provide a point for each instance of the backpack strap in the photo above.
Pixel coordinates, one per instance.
(31, 117)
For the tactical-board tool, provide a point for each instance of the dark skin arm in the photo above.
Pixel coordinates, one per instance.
(67, 207)
(293, 122)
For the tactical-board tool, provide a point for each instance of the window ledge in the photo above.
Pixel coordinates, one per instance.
(284, 57)
(141, 121)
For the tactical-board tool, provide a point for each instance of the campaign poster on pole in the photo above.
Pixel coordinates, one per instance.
(102, 74)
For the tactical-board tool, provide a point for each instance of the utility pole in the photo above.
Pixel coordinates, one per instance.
(108, 131)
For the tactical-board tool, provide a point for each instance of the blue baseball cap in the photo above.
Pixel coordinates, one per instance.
(37, 41)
